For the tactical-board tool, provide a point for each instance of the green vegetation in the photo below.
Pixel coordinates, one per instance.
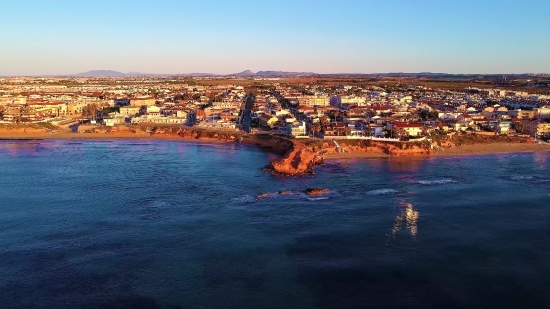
(469, 139)
(47, 125)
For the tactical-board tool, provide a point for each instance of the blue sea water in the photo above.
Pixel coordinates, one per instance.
(169, 224)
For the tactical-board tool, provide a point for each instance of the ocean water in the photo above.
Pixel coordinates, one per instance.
(169, 224)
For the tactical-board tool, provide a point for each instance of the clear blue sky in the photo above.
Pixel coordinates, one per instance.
(339, 36)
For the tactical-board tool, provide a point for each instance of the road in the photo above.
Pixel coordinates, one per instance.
(247, 113)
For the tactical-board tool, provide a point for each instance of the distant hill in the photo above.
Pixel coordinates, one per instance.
(245, 73)
(101, 73)
(282, 73)
(249, 73)
(111, 73)
(271, 73)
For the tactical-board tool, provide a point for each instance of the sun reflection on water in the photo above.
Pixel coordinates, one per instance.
(407, 217)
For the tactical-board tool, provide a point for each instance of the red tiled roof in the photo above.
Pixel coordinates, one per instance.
(406, 125)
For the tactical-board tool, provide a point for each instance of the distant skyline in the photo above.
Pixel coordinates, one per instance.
(170, 37)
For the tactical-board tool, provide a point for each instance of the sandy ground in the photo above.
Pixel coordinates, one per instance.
(354, 155)
(493, 148)
(464, 150)
(97, 136)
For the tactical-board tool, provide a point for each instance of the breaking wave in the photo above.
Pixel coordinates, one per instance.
(382, 192)
(436, 182)
(522, 177)
(154, 210)
(529, 178)
(286, 195)
(318, 198)
(245, 199)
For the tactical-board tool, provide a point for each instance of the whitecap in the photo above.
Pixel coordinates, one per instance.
(382, 192)
(436, 182)
(522, 177)
(154, 210)
(244, 199)
(318, 198)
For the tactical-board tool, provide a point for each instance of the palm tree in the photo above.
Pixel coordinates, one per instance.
(315, 128)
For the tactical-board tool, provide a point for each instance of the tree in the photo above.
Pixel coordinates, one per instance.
(324, 122)
(315, 127)
(333, 114)
(347, 131)
(90, 110)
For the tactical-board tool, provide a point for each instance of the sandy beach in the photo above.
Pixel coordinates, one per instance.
(465, 150)
(492, 148)
(98, 136)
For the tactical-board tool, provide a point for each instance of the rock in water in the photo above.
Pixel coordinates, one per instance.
(263, 195)
(315, 191)
(286, 192)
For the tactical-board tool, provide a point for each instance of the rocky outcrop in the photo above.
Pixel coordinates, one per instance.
(280, 145)
(299, 160)
(316, 191)
(391, 149)
(308, 191)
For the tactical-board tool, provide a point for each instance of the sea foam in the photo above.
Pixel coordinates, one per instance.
(436, 182)
(382, 192)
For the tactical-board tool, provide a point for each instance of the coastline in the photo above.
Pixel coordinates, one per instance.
(297, 158)
(492, 148)
(458, 151)
(463, 150)
(101, 136)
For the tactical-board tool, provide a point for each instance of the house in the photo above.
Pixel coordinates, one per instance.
(336, 129)
(313, 100)
(542, 112)
(503, 127)
(145, 101)
(536, 128)
(296, 129)
(153, 110)
(408, 129)
(267, 122)
(110, 122)
(129, 110)
(522, 114)
(466, 119)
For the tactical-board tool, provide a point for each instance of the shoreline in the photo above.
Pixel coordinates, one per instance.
(101, 136)
(463, 150)
(459, 151)
(298, 159)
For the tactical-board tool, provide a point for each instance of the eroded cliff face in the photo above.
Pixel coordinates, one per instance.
(391, 149)
(23, 129)
(278, 144)
(300, 160)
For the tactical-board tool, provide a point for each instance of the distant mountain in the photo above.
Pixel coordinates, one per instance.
(111, 73)
(197, 74)
(249, 73)
(271, 73)
(281, 73)
(101, 73)
(245, 73)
